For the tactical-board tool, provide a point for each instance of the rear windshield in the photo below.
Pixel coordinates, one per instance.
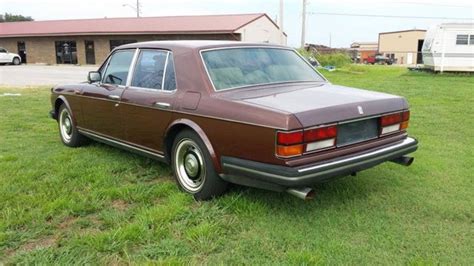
(240, 67)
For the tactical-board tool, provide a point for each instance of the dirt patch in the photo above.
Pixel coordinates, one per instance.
(120, 205)
(70, 220)
(45, 242)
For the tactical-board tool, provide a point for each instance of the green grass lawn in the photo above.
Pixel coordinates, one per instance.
(98, 204)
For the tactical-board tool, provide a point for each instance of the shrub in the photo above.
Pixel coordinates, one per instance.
(334, 59)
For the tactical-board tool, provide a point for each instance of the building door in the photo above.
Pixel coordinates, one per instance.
(90, 52)
(419, 57)
(22, 51)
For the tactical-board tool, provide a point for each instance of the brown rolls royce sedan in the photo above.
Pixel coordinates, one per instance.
(230, 112)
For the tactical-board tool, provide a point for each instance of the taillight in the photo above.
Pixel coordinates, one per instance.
(320, 138)
(320, 133)
(290, 144)
(288, 138)
(394, 122)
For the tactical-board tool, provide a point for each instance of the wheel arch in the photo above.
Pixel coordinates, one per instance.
(57, 104)
(181, 124)
(15, 57)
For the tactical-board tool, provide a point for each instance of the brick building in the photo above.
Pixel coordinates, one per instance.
(88, 41)
(364, 50)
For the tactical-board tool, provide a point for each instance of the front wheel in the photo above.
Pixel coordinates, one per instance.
(16, 61)
(193, 167)
(68, 132)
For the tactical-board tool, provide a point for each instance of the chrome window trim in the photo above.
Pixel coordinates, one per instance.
(164, 71)
(131, 69)
(256, 46)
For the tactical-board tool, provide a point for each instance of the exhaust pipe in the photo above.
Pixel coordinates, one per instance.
(404, 160)
(304, 193)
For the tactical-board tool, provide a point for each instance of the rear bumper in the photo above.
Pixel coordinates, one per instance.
(280, 177)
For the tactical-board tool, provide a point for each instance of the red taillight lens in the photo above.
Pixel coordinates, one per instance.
(406, 116)
(289, 138)
(388, 120)
(320, 133)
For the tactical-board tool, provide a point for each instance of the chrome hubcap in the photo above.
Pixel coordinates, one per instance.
(189, 165)
(65, 125)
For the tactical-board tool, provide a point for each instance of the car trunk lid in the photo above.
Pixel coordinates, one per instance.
(322, 103)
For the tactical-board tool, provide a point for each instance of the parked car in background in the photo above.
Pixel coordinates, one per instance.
(230, 112)
(378, 59)
(9, 58)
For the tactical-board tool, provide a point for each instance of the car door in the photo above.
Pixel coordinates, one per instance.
(3, 56)
(148, 101)
(101, 101)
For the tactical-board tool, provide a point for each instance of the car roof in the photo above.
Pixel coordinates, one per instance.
(194, 45)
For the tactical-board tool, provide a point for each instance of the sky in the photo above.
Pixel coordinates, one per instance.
(334, 30)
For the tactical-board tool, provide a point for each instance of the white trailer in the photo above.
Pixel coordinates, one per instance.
(449, 47)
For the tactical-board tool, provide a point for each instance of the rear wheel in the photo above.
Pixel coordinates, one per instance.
(16, 61)
(193, 167)
(68, 132)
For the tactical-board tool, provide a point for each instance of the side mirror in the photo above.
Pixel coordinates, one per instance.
(94, 76)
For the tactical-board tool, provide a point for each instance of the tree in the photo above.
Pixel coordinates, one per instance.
(8, 17)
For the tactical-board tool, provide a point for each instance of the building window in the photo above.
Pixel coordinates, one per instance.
(471, 39)
(462, 39)
(66, 52)
(117, 43)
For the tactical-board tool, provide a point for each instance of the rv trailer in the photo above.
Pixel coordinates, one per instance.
(449, 47)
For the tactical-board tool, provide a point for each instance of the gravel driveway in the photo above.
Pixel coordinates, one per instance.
(38, 75)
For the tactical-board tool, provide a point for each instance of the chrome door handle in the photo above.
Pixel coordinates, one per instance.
(162, 105)
(114, 97)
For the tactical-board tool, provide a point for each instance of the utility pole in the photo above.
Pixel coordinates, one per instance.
(280, 20)
(134, 7)
(138, 8)
(280, 23)
(303, 25)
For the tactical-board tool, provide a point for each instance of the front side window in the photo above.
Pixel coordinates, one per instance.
(462, 39)
(242, 67)
(2, 50)
(117, 69)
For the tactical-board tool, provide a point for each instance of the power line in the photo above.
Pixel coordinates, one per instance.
(431, 4)
(383, 16)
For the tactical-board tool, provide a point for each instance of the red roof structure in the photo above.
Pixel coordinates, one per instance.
(143, 25)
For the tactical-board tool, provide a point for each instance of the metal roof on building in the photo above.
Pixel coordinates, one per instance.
(143, 25)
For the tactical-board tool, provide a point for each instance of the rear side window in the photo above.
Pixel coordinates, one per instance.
(150, 69)
(117, 70)
(154, 70)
